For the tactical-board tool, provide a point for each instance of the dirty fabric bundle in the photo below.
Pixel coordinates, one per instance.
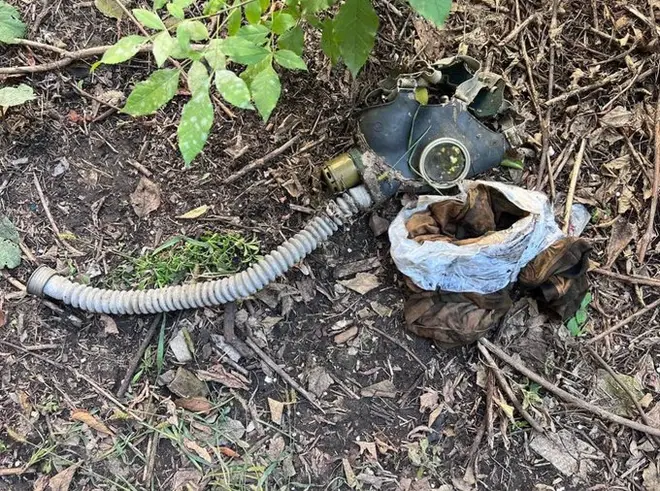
(469, 231)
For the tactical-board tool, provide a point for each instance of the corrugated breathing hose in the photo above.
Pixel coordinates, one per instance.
(46, 282)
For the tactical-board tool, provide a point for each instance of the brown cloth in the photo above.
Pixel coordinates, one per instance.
(557, 276)
(455, 319)
(485, 210)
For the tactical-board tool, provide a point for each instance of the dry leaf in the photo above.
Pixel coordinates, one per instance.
(370, 448)
(618, 117)
(217, 373)
(186, 480)
(62, 480)
(24, 401)
(3, 318)
(625, 200)
(146, 197)
(651, 477)
(41, 484)
(318, 381)
(568, 454)
(506, 408)
(380, 309)
(362, 283)
(276, 410)
(434, 415)
(199, 450)
(385, 388)
(195, 213)
(194, 404)
(227, 452)
(428, 401)
(276, 447)
(346, 336)
(383, 447)
(349, 473)
(622, 233)
(15, 435)
(109, 324)
(91, 421)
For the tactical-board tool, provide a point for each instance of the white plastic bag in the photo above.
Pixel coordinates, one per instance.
(485, 266)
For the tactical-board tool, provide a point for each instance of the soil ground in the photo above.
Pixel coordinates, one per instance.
(61, 367)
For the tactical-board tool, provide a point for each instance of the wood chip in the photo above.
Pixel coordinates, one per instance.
(346, 336)
(349, 269)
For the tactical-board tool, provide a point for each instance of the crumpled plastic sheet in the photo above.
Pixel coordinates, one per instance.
(485, 266)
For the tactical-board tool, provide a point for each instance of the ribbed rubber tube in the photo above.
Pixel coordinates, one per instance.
(47, 283)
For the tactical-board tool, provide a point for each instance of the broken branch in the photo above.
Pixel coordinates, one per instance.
(580, 402)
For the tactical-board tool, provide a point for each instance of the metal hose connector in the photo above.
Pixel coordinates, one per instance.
(45, 282)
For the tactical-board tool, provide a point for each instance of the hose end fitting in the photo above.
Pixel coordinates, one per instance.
(39, 279)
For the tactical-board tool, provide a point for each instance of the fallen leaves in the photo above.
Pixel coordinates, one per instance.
(109, 324)
(651, 477)
(349, 473)
(218, 373)
(198, 449)
(346, 336)
(146, 197)
(428, 401)
(62, 480)
(186, 385)
(91, 421)
(362, 283)
(276, 410)
(385, 388)
(194, 404)
(318, 381)
(622, 233)
(369, 448)
(110, 8)
(195, 213)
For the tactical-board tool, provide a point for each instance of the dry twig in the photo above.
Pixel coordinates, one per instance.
(571, 188)
(400, 345)
(263, 160)
(625, 388)
(632, 279)
(287, 378)
(645, 241)
(504, 385)
(624, 322)
(137, 357)
(580, 402)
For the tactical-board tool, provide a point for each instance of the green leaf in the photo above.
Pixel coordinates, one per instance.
(214, 55)
(282, 22)
(163, 46)
(14, 96)
(266, 89)
(234, 21)
(435, 11)
(183, 3)
(328, 44)
(213, 7)
(253, 70)
(196, 121)
(315, 6)
(198, 78)
(233, 89)
(581, 316)
(586, 301)
(288, 59)
(149, 19)
(292, 40)
(110, 8)
(151, 94)
(264, 4)
(512, 164)
(192, 30)
(355, 32)
(176, 11)
(256, 34)
(573, 327)
(242, 51)
(123, 50)
(252, 12)
(159, 4)
(10, 253)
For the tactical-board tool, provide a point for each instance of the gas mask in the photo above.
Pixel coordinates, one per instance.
(431, 129)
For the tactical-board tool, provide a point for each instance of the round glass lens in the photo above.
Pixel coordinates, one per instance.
(444, 162)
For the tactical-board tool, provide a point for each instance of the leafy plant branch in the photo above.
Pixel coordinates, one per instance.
(261, 36)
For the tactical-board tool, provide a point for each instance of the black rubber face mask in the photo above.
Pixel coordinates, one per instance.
(445, 141)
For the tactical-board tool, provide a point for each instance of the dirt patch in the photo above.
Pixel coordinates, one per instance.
(62, 360)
